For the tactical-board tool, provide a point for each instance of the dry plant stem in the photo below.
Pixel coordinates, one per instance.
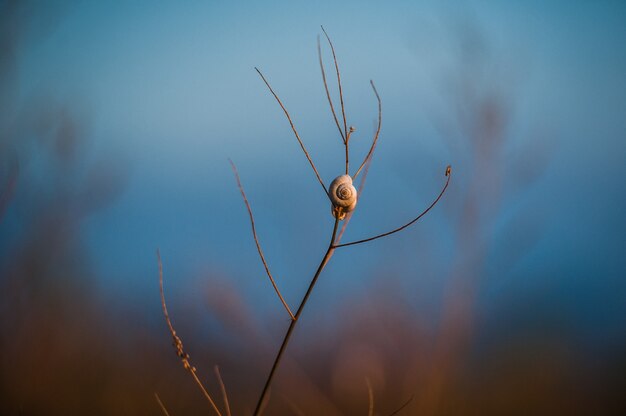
(346, 132)
(256, 241)
(292, 325)
(223, 389)
(178, 344)
(343, 110)
(161, 405)
(293, 127)
(347, 146)
(448, 175)
(360, 194)
(380, 119)
(335, 238)
(265, 402)
(330, 101)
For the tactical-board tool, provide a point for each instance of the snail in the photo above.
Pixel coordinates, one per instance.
(342, 195)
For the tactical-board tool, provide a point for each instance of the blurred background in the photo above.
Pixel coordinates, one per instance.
(116, 124)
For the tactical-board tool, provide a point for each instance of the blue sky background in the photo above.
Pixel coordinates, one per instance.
(169, 93)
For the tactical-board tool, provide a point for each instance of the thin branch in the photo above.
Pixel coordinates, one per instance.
(398, 410)
(223, 389)
(293, 127)
(263, 406)
(161, 405)
(359, 193)
(380, 120)
(256, 241)
(370, 395)
(347, 147)
(292, 325)
(448, 175)
(343, 110)
(330, 101)
(178, 343)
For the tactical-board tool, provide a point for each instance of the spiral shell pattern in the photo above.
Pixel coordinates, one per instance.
(343, 196)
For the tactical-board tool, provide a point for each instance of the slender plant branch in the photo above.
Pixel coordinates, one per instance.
(343, 109)
(293, 127)
(292, 325)
(346, 221)
(335, 238)
(178, 343)
(380, 120)
(256, 241)
(223, 389)
(448, 175)
(347, 146)
(161, 405)
(330, 101)
(263, 405)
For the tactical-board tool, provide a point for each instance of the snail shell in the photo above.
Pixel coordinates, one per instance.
(343, 196)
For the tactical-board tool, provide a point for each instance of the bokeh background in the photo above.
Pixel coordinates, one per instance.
(116, 124)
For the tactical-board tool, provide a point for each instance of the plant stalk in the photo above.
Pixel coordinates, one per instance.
(292, 325)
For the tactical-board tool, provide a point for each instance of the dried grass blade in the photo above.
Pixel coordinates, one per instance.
(178, 343)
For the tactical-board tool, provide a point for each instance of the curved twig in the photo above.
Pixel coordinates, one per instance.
(448, 175)
(330, 101)
(380, 120)
(256, 241)
(293, 127)
(178, 343)
(347, 132)
(343, 110)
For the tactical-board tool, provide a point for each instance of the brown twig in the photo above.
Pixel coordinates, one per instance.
(344, 226)
(293, 127)
(448, 175)
(343, 110)
(256, 241)
(178, 343)
(263, 405)
(330, 101)
(223, 389)
(292, 325)
(334, 240)
(161, 405)
(380, 120)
